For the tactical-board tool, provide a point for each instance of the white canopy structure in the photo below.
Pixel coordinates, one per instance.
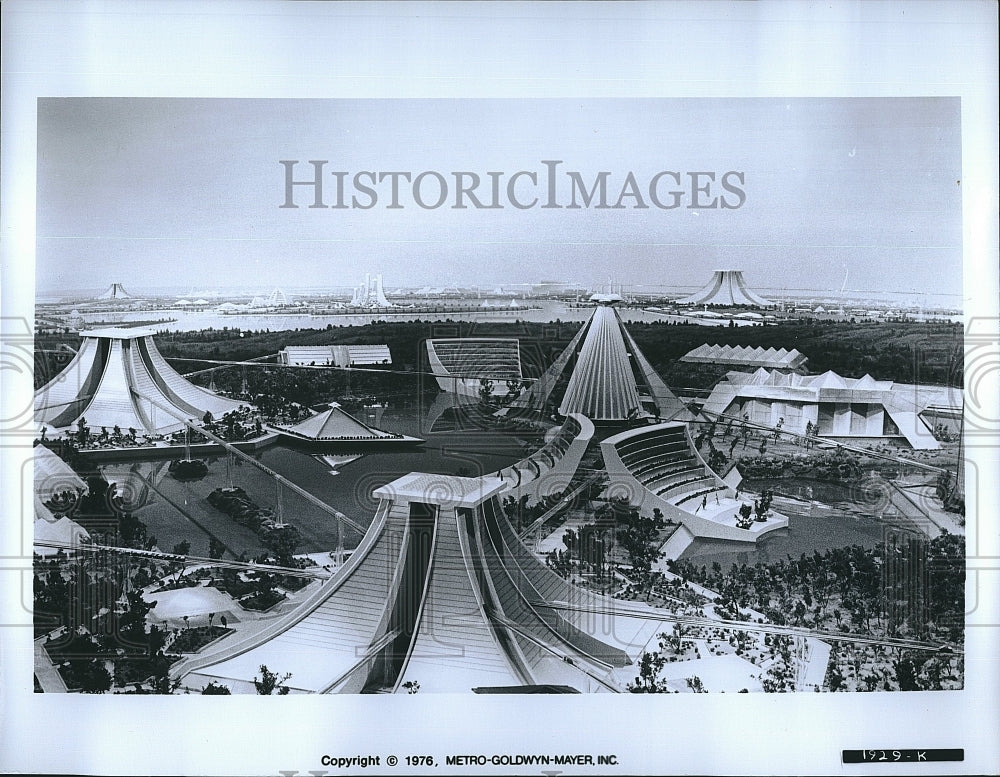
(441, 592)
(115, 291)
(727, 287)
(57, 531)
(53, 476)
(119, 378)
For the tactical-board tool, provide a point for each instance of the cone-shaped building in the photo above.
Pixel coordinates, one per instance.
(440, 592)
(119, 378)
(611, 379)
(115, 291)
(727, 287)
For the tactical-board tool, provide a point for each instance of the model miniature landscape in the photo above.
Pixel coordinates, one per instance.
(546, 490)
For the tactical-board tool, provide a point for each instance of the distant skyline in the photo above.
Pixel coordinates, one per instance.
(187, 193)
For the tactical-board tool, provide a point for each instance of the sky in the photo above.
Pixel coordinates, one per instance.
(161, 192)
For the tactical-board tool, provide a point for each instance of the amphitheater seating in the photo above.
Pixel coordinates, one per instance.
(664, 463)
(497, 359)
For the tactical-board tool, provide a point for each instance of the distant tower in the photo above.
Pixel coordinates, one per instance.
(115, 291)
(727, 287)
(277, 299)
(370, 294)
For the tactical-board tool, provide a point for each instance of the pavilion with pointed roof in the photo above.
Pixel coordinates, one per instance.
(336, 425)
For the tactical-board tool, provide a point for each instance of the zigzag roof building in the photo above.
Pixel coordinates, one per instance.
(119, 378)
(727, 287)
(611, 379)
(745, 356)
(835, 407)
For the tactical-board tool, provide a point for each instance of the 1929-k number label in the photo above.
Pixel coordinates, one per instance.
(903, 755)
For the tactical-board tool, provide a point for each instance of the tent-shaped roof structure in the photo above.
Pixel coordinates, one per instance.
(611, 380)
(115, 291)
(337, 425)
(57, 531)
(440, 591)
(727, 287)
(53, 476)
(119, 378)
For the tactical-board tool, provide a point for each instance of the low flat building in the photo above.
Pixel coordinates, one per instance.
(334, 355)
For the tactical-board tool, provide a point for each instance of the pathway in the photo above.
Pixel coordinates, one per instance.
(48, 676)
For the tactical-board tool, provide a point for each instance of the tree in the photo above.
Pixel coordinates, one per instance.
(648, 681)
(906, 674)
(834, 678)
(411, 686)
(675, 640)
(182, 548)
(695, 684)
(214, 689)
(82, 431)
(270, 681)
(160, 682)
(569, 539)
(282, 541)
(215, 548)
(132, 620)
(485, 390)
(95, 678)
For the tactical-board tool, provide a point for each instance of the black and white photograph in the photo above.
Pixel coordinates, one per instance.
(408, 400)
